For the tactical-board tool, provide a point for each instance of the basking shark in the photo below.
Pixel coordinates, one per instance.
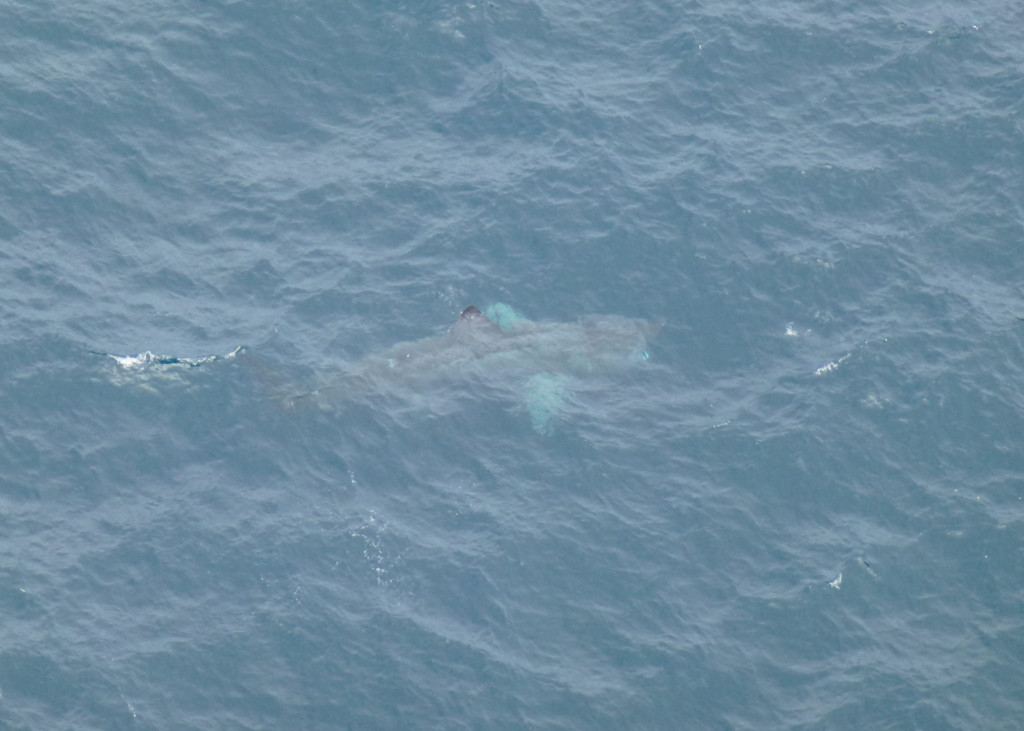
(497, 347)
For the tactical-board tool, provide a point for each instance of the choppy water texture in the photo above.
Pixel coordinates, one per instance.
(805, 510)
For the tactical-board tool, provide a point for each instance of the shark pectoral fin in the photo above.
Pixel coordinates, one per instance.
(546, 395)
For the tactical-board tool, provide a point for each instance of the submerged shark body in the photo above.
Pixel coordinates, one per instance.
(500, 348)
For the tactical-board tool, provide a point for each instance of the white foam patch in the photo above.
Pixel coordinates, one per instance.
(829, 367)
(150, 361)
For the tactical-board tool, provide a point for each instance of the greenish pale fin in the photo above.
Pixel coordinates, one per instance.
(505, 317)
(546, 394)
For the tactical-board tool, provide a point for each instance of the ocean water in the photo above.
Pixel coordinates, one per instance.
(804, 509)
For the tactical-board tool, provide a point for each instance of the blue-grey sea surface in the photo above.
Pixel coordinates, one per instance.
(802, 506)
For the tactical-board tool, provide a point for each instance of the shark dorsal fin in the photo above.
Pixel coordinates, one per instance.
(472, 320)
